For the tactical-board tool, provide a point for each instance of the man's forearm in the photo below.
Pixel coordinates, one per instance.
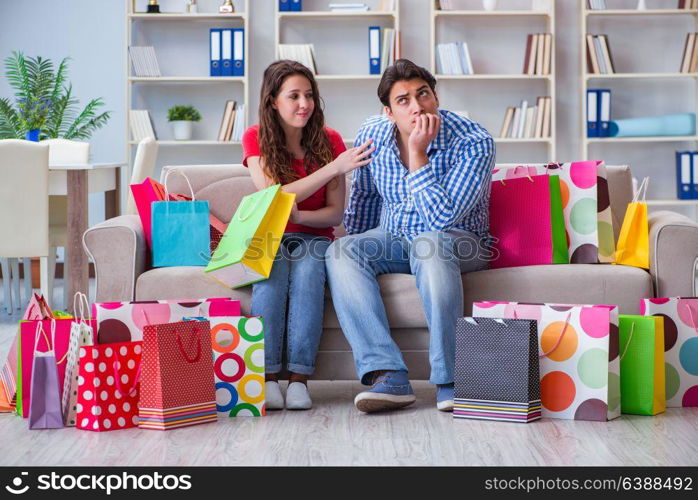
(417, 159)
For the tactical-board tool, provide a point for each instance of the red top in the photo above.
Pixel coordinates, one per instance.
(317, 200)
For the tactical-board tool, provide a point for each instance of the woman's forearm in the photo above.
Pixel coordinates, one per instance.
(306, 186)
(321, 218)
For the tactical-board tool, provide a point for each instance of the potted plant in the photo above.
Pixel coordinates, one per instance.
(45, 107)
(182, 119)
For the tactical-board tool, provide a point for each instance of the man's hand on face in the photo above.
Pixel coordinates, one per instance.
(425, 130)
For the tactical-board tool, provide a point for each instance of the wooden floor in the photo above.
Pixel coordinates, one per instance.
(335, 433)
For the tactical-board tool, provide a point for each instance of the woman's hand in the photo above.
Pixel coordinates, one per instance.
(295, 216)
(353, 158)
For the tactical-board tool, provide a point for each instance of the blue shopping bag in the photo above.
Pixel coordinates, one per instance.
(181, 233)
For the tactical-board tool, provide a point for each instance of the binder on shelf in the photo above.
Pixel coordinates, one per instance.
(592, 113)
(604, 113)
(238, 52)
(684, 175)
(296, 5)
(694, 174)
(374, 50)
(284, 5)
(227, 52)
(215, 51)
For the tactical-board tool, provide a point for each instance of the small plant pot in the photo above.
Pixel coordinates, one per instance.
(33, 135)
(182, 130)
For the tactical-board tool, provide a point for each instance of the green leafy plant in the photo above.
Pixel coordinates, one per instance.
(183, 113)
(43, 100)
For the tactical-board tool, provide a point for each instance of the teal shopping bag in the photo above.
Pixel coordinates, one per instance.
(180, 231)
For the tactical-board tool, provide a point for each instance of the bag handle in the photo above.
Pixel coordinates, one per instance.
(690, 314)
(642, 190)
(117, 379)
(627, 344)
(559, 339)
(198, 346)
(241, 214)
(84, 308)
(167, 175)
(528, 176)
(40, 329)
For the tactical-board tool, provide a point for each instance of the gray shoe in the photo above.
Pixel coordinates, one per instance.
(274, 398)
(298, 397)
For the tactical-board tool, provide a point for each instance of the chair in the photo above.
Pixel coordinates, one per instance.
(24, 215)
(143, 166)
(61, 151)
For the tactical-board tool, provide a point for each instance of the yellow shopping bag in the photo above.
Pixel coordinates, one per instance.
(247, 250)
(633, 248)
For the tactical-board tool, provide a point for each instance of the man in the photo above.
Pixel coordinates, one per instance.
(419, 207)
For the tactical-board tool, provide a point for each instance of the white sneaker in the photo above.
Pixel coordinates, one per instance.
(298, 397)
(273, 396)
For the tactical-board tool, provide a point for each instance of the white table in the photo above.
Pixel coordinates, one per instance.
(75, 181)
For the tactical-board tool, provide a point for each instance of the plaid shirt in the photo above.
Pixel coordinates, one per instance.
(451, 192)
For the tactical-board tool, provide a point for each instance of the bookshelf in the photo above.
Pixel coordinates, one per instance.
(181, 42)
(627, 85)
(512, 85)
(340, 72)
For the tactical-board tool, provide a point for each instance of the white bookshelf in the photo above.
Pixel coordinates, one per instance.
(523, 17)
(162, 31)
(348, 68)
(605, 21)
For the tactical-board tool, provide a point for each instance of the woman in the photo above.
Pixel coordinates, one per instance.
(291, 146)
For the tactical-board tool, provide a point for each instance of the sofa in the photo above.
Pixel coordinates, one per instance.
(119, 251)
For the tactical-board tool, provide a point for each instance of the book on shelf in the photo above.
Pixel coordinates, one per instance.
(303, 53)
(454, 59)
(232, 123)
(141, 125)
(688, 4)
(144, 61)
(389, 49)
(599, 58)
(596, 4)
(349, 7)
(538, 54)
(690, 54)
(526, 121)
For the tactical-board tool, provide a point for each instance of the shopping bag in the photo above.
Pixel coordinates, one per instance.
(680, 315)
(246, 252)
(578, 351)
(8, 375)
(108, 386)
(634, 241)
(180, 231)
(124, 321)
(496, 370)
(60, 329)
(144, 194)
(642, 381)
(527, 222)
(177, 386)
(81, 335)
(586, 204)
(238, 365)
(37, 309)
(45, 399)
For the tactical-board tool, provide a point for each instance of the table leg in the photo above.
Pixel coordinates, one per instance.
(78, 280)
(111, 201)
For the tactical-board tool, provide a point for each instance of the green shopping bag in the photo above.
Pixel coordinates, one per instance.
(557, 221)
(248, 247)
(642, 376)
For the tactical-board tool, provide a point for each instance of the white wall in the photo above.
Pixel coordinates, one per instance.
(93, 35)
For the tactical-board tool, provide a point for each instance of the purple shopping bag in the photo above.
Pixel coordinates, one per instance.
(45, 401)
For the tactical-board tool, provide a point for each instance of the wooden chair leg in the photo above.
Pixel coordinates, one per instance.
(6, 281)
(44, 277)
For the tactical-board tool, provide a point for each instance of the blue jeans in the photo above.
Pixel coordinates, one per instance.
(292, 303)
(437, 260)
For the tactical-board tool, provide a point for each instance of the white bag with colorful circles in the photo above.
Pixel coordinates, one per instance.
(579, 363)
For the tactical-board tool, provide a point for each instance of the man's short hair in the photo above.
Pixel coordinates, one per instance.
(402, 70)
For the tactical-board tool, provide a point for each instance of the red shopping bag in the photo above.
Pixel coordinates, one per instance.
(177, 388)
(108, 386)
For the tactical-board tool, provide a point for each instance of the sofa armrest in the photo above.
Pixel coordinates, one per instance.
(118, 248)
(673, 253)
